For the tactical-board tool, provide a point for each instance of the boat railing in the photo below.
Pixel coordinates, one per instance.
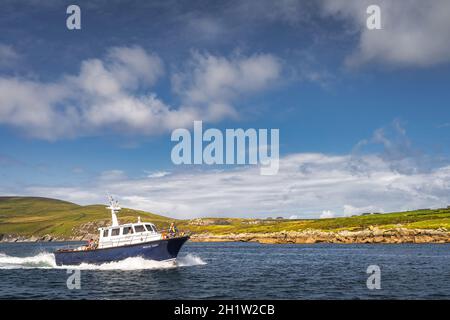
(134, 239)
(167, 234)
(144, 237)
(73, 247)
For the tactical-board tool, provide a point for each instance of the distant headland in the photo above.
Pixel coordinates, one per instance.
(43, 219)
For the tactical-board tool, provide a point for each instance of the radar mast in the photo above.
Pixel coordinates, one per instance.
(115, 208)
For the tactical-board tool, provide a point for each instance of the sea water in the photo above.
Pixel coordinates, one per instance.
(235, 271)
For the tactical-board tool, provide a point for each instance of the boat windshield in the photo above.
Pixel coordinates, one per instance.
(127, 230)
(139, 228)
(150, 228)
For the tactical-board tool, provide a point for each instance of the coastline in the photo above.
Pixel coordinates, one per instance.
(369, 235)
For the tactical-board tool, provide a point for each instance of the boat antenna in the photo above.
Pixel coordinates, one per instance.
(115, 208)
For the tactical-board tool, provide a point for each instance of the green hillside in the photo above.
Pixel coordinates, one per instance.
(40, 216)
(418, 219)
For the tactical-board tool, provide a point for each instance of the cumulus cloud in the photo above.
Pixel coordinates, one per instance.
(157, 174)
(326, 214)
(308, 185)
(414, 32)
(351, 210)
(216, 82)
(116, 94)
(112, 175)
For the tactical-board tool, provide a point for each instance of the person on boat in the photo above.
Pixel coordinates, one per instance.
(173, 230)
(90, 244)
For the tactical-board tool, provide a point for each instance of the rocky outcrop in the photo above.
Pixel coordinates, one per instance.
(83, 232)
(88, 230)
(21, 238)
(370, 235)
(208, 222)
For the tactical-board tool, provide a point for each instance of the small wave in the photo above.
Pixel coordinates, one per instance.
(135, 263)
(190, 260)
(46, 260)
(41, 260)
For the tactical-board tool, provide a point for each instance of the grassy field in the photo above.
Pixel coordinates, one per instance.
(419, 219)
(39, 216)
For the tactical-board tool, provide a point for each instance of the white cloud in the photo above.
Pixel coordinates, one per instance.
(134, 65)
(414, 32)
(350, 210)
(307, 185)
(216, 82)
(112, 175)
(157, 174)
(116, 95)
(327, 214)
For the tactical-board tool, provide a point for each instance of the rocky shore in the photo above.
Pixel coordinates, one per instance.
(369, 235)
(45, 238)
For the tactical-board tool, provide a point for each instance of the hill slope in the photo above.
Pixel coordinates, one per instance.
(418, 219)
(28, 216)
(31, 216)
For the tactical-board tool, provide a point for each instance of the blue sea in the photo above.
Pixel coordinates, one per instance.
(235, 271)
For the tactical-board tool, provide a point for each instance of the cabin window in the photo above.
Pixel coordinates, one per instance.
(149, 228)
(127, 230)
(115, 232)
(105, 233)
(139, 228)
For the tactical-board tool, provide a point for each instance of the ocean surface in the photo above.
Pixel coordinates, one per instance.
(235, 271)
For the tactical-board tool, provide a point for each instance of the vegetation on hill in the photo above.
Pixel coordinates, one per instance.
(40, 216)
(29, 216)
(418, 219)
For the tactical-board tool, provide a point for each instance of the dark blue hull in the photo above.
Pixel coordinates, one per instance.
(159, 250)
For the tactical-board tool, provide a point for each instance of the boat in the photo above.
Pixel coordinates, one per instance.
(121, 241)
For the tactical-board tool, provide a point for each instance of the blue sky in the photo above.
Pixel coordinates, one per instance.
(363, 114)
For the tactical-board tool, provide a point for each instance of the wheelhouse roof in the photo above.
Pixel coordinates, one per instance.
(127, 225)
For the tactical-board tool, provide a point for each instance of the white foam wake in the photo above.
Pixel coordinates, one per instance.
(190, 260)
(46, 260)
(41, 260)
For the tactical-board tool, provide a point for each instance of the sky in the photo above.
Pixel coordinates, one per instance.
(363, 115)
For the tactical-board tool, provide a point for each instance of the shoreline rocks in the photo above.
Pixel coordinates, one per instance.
(370, 235)
(8, 238)
(309, 236)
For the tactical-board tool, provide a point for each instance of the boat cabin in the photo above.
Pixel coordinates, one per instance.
(121, 241)
(125, 234)
(131, 233)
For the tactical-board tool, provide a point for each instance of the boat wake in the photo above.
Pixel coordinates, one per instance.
(46, 260)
